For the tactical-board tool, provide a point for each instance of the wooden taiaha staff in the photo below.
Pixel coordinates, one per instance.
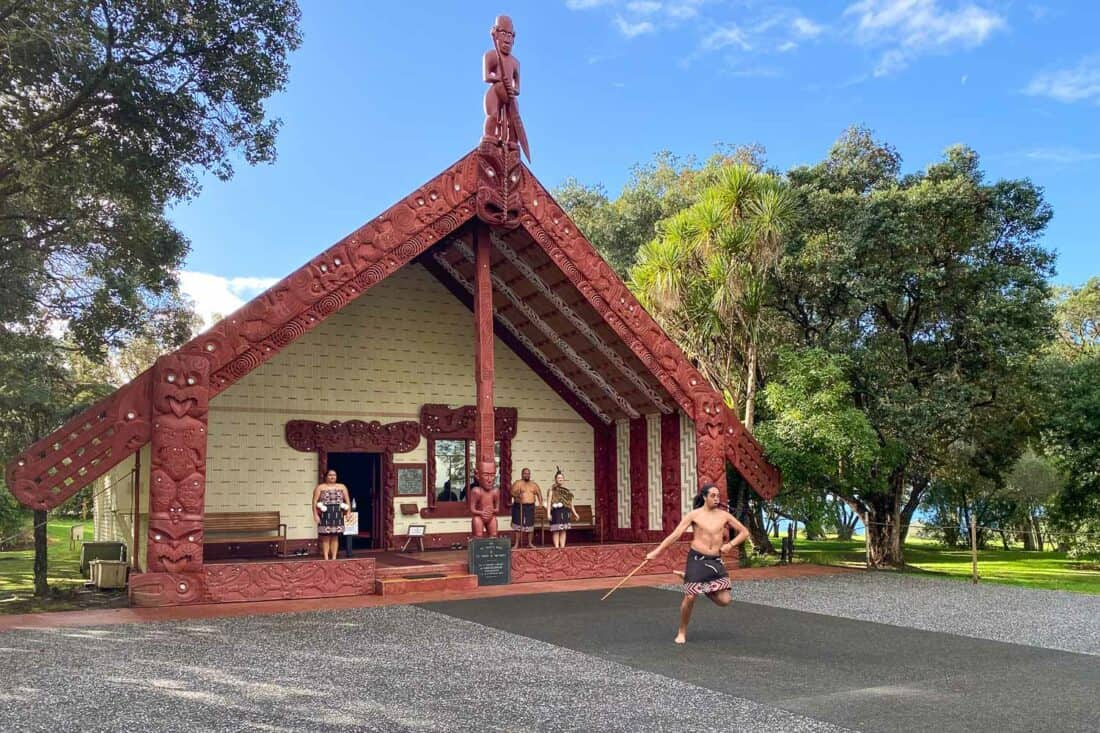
(643, 562)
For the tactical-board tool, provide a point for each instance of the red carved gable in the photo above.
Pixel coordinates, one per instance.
(86, 447)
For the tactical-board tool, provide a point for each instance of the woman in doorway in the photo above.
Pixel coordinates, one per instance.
(330, 505)
(560, 500)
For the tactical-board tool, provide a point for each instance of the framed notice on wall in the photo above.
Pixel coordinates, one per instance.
(412, 479)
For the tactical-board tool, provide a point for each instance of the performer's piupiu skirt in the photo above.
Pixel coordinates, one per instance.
(704, 574)
(528, 518)
(559, 518)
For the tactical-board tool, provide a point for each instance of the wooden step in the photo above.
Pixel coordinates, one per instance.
(396, 586)
(400, 571)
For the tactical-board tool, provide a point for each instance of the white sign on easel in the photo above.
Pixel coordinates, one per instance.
(351, 523)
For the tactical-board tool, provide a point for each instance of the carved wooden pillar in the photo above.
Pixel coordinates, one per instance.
(483, 357)
(711, 434)
(177, 476)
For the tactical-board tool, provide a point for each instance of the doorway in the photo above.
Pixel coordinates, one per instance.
(362, 474)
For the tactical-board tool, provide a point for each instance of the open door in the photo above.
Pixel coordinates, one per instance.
(362, 474)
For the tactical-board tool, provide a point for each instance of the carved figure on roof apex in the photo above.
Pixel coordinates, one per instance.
(500, 70)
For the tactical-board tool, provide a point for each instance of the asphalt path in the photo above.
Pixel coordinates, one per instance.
(856, 674)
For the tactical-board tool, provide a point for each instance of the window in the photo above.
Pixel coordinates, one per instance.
(455, 468)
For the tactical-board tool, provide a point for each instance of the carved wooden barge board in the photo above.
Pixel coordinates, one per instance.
(86, 447)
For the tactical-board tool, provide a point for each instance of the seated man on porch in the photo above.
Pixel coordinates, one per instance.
(448, 493)
(525, 495)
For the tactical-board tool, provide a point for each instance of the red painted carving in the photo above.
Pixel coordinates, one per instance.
(517, 348)
(441, 422)
(670, 471)
(269, 581)
(558, 236)
(484, 504)
(353, 435)
(358, 436)
(298, 303)
(639, 477)
(260, 581)
(167, 589)
(592, 561)
(177, 486)
(83, 449)
(605, 475)
(484, 366)
(97, 439)
(500, 70)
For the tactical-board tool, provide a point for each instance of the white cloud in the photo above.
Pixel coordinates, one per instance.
(806, 28)
(1061, 155)
(633, 30)
(730, 35)
(1081, 82)
(643, 7)
(217, 295)
(683, 9)
(963, 79)
(785, 47)
(910, 28)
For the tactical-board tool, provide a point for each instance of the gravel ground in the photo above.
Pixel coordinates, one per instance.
(346, 670)
(1042, 618)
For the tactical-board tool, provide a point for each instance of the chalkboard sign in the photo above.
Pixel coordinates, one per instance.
(490, 559)
(412, 479)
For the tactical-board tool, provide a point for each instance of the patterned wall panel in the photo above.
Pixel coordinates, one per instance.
(653, 451)
(622, 471)
(404, 343)
(688, 478)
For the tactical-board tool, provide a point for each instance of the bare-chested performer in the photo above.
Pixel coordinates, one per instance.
(705, 573)
(525, 495)
(483, 505)
(500, 69)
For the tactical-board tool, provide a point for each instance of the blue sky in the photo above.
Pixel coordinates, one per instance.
(384, 95)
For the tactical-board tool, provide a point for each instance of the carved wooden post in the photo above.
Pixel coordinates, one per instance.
(483, 358)
(181, 386)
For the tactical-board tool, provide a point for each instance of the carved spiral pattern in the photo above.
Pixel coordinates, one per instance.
(410, 248)
(330, 303)
(287, 334)
(371, 276)
(244, 363)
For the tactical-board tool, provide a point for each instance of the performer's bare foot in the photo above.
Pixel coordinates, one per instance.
(681, 574)
(681, 638)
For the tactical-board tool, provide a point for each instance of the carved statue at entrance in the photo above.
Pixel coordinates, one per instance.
(500, 70)
(484, 504)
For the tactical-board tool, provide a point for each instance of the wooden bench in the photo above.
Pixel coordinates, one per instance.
(237, 527)
(584, 511)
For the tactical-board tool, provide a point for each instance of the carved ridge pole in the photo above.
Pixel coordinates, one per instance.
(483, 358)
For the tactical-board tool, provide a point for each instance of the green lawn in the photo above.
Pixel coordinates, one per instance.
(63, 565)
(1049, 570)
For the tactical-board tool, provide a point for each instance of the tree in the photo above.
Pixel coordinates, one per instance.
(1077, 314)
(108, 113)
(108, 110)
(706, 277)
(657, 190)
(934, 286)
(819, 439)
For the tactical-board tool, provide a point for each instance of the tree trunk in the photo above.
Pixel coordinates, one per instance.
(1036, 532)
(1004, 539)
(41, 584)
(750, 387)
(757, 530)
(883, 532)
